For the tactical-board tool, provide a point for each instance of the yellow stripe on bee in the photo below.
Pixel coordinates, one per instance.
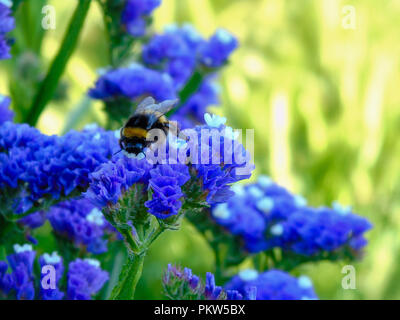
(134, 132)
(163, 119)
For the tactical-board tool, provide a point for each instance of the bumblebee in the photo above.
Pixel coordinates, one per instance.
(148, 116)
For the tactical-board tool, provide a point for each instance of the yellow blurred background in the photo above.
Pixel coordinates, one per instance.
(318, 80)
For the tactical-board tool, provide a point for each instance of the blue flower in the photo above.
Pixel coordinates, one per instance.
(20, 281)
(82, 223)
(221, 161)
(6, 279)
(173, 273)
(216, 51)
(34, 166)
(211, 291)
(7, 23)
(212, 170)
(111, 180)
(166, 181)
(250, 294)
(133, 83)
(181, 284)
(135, 14)
(34, 220)
(85, 278)
(5, 113)
(23, 255)
(174, 51)
(311, 231)
(265, 215)
(180, 51)
(22, 136)
(57, 262)
(272, 285)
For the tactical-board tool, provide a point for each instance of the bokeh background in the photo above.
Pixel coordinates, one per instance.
(323, 100)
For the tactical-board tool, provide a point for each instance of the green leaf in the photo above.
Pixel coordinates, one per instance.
(49, 85)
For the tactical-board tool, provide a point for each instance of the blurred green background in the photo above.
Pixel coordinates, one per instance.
(323, 100)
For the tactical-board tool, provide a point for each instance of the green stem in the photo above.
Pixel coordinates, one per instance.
(154, 235)
(129, 277)
(188, 90)
(49, 84)
(132, 270)
(117, 258)
(132, 245)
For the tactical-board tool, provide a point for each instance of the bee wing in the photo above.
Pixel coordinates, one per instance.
(166, 106)
(145, 104)
(149, 104)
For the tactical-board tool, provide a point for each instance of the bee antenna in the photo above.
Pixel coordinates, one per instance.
(117, 152)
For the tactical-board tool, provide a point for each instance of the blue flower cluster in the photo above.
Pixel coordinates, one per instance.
(166, 182)
(20, 281)
(112, 179)
(169, 61)
(82, 223)
(84, 277)
(7, 23)
(34, 166)
(220, 159)
(174, 273)
(272, 285)
(218, 48)
(181, 284)
(265, 215)
(5, 113)
(55, 261)
(133, 83)
(192, 112)
(212, 171)
(135, 15)
(179, 51)
(34, 220)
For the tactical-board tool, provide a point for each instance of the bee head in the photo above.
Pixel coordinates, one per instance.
(134, 148)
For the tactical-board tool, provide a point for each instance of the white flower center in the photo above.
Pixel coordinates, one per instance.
(343, 210)
(300, 201)
(95, 216)
(93, 262)
(23, 248)
(7, 3)
(264, 181)
(277, 230)
(304, 282)
(214, 120)
(52, 259)
(221, 211)
(91, 126)
(265, 204)
(224, 36)
(238, 189)
(256, 192)
(248, 274)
